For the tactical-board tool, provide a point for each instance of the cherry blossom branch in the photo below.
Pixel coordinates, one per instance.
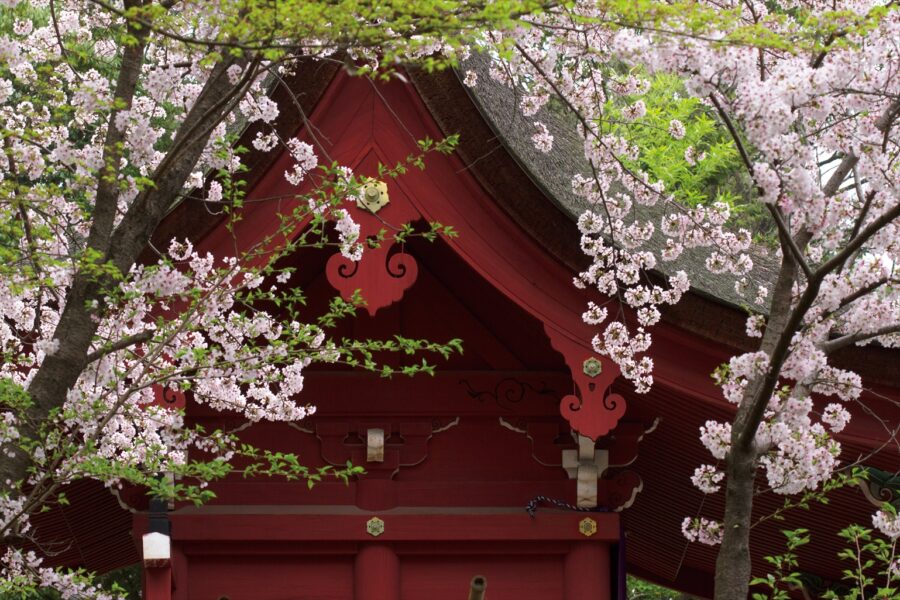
(138, 338)
(887, 119)
(818, 60)
(433, 29)
(199, 122)
(59, 40)
(846, 340)
(833, 185)
(782, 346)
(76, 327)
(299, 107)
(23, 213)
(784, 231)
(856, 295)
(104, 211)
(854, 244)
(780, 352)
(788, 239)
(865, 199)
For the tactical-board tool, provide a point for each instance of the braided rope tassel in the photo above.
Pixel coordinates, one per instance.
(532, 506)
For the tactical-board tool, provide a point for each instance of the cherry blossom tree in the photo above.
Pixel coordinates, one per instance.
(112, 112)
(807, 94)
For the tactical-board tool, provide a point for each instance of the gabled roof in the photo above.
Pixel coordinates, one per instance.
(535, 189)
(700, 332)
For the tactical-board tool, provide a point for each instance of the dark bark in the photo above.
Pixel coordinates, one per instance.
(733, 561)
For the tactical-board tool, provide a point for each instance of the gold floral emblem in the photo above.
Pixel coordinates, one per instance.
(375, 526)
(587, 526)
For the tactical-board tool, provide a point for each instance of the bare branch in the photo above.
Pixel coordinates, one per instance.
(788, 240)
(138, 338)
(846, 340)
(834, 182)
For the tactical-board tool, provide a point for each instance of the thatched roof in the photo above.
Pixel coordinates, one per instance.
(552, 173)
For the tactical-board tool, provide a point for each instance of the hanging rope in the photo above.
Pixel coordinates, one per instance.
(532, 506)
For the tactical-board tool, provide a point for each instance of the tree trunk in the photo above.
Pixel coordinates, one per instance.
(733, 565)
(78, 323)
(733, 562)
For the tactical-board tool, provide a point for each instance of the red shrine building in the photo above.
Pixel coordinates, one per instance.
(528, 417)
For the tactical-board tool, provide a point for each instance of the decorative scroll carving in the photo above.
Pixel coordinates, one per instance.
(593, 412)
(383, 274)
(880, 486)
(168, 398)
(508, 392)
(381, 447)
(596, 466)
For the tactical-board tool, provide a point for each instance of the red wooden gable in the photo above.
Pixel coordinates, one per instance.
(462, 453)
(517, 416)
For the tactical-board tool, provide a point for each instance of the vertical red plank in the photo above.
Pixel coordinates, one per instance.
(158, 583)
(587, 572)
(376, 573)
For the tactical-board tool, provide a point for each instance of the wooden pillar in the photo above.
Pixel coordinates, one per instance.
(156, 550)
(376, 574)
(587, 573)
(158, 583)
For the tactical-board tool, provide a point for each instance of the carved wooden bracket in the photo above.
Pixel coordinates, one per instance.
(593, 412)
(597, 466)
(381, 447)
(880, 486)
(383, 275)
(585, 464)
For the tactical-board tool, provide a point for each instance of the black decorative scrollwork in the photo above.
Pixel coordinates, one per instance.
(170, 396)
(508, 392)
(395, 264)
(348, 270)
(880, 486)
(609, 402)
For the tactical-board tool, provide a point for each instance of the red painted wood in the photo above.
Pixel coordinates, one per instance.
(383, 276)
(476, 290)
(509, 577)
(587, 572)
(157, 583)
(596, 412)
(488, 240)
(376, 573)
(447, 392)
(237, 576)
(452, 498)
(319, 524)
(386, 272)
